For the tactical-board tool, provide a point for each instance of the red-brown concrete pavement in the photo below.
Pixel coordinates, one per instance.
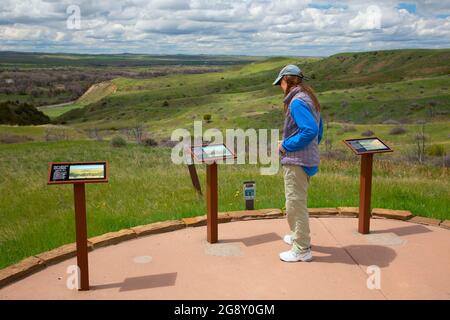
(414, 262)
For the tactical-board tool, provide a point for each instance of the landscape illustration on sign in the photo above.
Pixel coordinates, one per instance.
(86, 171)
(216, 151)
(372, 144)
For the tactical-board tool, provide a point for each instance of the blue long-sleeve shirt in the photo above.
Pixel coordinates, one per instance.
(308, 130)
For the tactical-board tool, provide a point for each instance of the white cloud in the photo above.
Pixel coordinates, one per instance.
(223, 26)
(367, 20)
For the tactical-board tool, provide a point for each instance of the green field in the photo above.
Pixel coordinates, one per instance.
(36, 217)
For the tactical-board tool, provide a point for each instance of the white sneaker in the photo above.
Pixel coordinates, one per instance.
(288, 239)
(292, 256)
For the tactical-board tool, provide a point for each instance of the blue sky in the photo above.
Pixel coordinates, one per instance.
(410, 7)
(253, 27)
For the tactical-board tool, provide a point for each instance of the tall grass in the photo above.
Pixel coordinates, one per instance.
(145, 187)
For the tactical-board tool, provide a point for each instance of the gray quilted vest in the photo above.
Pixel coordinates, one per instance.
(309, 155)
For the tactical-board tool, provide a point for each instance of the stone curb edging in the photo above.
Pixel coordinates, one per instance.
(40, 261)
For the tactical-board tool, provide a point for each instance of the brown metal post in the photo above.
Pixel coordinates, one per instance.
(365, 189)
(211, 202)
(81, 234)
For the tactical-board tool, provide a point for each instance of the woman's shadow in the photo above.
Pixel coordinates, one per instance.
(356, 254)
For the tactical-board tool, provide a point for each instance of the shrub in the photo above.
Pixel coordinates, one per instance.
(118, 141)
(367, 133)
(346, 128)
(397, 130)
(149, 142)
(436, 150)
(207, 117)
(165, 103)
(7, 138)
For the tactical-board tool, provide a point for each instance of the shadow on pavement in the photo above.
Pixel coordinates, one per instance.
(144, 282)
(255, 240)
(404, 231)
(355, 254)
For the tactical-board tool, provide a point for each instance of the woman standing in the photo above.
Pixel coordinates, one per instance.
(300, 158)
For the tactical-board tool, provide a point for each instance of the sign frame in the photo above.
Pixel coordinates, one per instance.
(347, 142)
(76, 181)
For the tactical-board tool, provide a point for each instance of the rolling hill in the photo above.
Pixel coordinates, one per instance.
(369, 87)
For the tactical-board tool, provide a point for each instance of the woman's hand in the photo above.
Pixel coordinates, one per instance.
(280, 148)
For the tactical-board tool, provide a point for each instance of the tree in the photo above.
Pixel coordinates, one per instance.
(420, 142)
(137, 131)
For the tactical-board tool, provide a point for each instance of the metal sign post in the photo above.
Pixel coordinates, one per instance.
(78, 174)
(366, 148)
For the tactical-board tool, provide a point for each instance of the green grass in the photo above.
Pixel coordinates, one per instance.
(145, 187)
(436, 133)
(54, 112)
(38, 133)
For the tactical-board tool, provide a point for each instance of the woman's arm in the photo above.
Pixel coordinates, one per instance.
(307, 125)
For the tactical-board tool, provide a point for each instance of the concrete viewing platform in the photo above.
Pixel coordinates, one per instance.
(413, 260)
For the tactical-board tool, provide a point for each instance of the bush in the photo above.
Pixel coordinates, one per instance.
(165, 103)
(207, 117)
(346, 128)
(397, 130)
(118, 141)
(149, 142)
(436, 150)
(367, 133)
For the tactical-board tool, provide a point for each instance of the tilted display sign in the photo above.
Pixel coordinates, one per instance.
(366, 147)
(210, 154)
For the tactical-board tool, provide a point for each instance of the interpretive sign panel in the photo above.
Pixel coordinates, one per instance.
(367, 145)
(77, 172)
(211, 152)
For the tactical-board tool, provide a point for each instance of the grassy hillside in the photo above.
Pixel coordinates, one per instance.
(405, 85)
(41, 218)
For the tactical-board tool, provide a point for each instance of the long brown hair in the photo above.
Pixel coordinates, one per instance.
(294, 81)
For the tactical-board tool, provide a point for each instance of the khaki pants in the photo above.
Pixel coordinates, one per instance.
(296, 183)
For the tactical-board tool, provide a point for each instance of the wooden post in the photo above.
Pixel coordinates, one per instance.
(211, 202)
(81, 234)
(365, 189)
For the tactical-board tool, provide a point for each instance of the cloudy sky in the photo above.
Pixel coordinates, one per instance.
(253, 27)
